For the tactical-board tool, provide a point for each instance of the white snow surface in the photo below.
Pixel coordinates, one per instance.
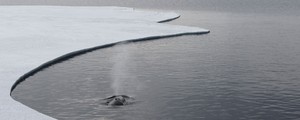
(33, 35)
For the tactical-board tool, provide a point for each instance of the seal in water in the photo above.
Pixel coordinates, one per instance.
(117, 100)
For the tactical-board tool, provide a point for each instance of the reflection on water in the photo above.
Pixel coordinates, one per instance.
(246, 68)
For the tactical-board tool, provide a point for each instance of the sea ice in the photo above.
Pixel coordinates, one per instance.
(33, 35)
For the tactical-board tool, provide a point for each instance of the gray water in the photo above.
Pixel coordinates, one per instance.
(286, 7)
(248, 67)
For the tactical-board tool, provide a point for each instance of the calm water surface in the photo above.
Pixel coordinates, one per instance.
(246, 68)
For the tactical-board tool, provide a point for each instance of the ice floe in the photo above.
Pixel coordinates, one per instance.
(33, 35)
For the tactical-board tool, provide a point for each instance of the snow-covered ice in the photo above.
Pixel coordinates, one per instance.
(33, 35)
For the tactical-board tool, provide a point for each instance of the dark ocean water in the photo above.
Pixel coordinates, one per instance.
(248, 67)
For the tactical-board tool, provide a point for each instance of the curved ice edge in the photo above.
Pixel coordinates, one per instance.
(83, 51)
(167, 20)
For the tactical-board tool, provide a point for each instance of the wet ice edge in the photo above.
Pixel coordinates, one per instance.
(33, 35)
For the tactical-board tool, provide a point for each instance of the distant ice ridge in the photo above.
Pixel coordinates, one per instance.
(33, 35)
